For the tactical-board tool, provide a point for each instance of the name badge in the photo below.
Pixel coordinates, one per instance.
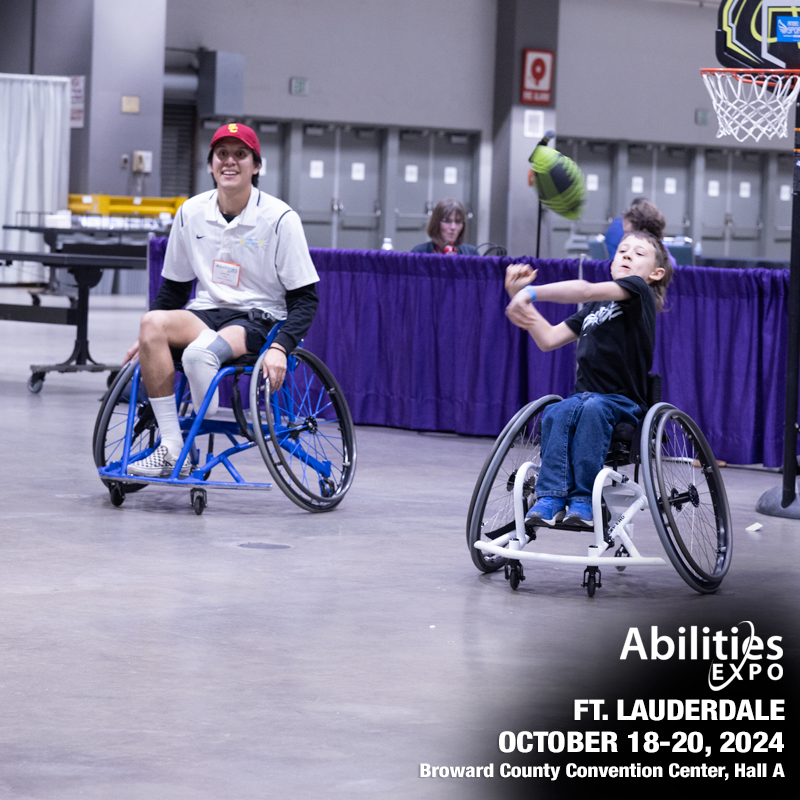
(226, 273)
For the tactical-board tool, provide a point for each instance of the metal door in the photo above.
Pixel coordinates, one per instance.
(594, 159)
(731, 224)
(359, 189)
(318, 183)
(671, 189)
(414, 189)
(339, 186)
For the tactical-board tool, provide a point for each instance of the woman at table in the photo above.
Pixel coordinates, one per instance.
(446, 228)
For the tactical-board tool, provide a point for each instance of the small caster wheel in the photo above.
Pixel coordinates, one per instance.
(199, 502)
(327, 487)
(591, 580)
(117, 494)
(621, 553)
(514, 575)
(35, 382)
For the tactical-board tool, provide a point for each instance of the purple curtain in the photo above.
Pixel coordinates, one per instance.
(421, 341)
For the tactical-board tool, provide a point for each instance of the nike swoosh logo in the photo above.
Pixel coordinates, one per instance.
(202, 237)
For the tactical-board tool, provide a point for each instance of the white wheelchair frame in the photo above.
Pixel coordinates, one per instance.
(682, 488)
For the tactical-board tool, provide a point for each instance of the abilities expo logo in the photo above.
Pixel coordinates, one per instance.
(735, 655)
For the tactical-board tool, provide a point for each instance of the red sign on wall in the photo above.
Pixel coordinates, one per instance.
(537, 77)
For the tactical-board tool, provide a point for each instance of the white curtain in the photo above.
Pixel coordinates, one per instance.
(34, 160)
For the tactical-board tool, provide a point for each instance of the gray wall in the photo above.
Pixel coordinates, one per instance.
(413, 63)
(120, 50)
(16, 20)
(63, 46)
(127, 59)
(521, 24)
(630, 70)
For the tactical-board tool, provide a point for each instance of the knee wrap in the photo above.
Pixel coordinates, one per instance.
(201, 362)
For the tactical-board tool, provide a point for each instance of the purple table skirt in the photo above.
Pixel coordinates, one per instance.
(421, 341)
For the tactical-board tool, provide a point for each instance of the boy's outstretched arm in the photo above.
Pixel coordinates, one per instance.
(523, 314)
(547, 337)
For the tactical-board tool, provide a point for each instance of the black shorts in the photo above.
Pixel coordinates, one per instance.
(256, 328)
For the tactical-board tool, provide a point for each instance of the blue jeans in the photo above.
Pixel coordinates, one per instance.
(576, 435)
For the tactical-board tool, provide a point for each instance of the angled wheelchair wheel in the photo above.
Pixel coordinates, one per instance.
(305, 432)
(111, 428)
(687, 497)
(495, 447)
(492, 509)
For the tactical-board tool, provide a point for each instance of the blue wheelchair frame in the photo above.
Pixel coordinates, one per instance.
(282, 431)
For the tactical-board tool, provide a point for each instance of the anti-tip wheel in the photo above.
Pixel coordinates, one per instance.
(117, 494)
(35, 382)
(199, 501)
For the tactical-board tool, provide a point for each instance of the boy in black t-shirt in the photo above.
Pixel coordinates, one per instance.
(615, 331)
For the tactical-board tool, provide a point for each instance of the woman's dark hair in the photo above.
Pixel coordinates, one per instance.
(662, 260)
(644, 216)
(444, 208)
(256, 161)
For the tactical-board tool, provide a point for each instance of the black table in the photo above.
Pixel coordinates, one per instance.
(87, 271)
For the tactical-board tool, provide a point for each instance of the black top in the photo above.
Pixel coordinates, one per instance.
(616, 343)
(463, 249)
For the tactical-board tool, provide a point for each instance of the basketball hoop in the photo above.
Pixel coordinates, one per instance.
(752, 103)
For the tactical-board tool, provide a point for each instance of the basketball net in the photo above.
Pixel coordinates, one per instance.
(752, 104)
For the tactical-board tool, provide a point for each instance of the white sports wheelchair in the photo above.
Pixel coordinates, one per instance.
(682, 488)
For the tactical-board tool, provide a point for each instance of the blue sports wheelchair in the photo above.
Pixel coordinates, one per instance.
(682, 487)
(304, 433)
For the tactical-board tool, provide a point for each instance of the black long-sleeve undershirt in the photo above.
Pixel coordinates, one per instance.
(301, 308)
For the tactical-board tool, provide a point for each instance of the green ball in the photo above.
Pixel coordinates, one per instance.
(559, 182)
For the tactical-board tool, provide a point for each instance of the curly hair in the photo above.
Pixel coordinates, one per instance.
(644, 216)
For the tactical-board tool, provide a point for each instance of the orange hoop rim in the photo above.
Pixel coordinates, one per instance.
(746, 71)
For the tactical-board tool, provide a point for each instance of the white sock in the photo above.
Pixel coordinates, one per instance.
(201, 362)
(167, 415)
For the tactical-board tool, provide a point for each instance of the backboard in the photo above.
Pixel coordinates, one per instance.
(758, 34)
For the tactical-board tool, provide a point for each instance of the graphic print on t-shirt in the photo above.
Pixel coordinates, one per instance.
(614, 309)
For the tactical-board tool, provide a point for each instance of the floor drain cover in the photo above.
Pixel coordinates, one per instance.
(265, 546)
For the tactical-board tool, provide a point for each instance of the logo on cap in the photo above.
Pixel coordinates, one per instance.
(233, 128)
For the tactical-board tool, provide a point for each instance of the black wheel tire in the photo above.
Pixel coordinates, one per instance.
(687, 497)
(35, 382)
(514, 577)
(110, 428)
(492, 508)
(117, 494)
(198, 504)
(591, 585)
(307, 418)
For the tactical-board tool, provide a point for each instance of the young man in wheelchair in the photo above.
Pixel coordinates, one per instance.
(615, 331)
(248, 253)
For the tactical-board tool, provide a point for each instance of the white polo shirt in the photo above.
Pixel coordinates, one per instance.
(266, 242)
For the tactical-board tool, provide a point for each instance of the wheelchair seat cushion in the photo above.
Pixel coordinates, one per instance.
(623, 432)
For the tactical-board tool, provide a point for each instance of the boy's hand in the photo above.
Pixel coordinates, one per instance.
(521, 311)
(518, 276)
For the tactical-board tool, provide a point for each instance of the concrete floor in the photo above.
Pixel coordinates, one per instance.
(149, 653)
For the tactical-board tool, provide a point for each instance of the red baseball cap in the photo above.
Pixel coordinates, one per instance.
(238, 131)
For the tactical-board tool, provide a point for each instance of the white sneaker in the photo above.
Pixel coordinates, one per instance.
(158, 465)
